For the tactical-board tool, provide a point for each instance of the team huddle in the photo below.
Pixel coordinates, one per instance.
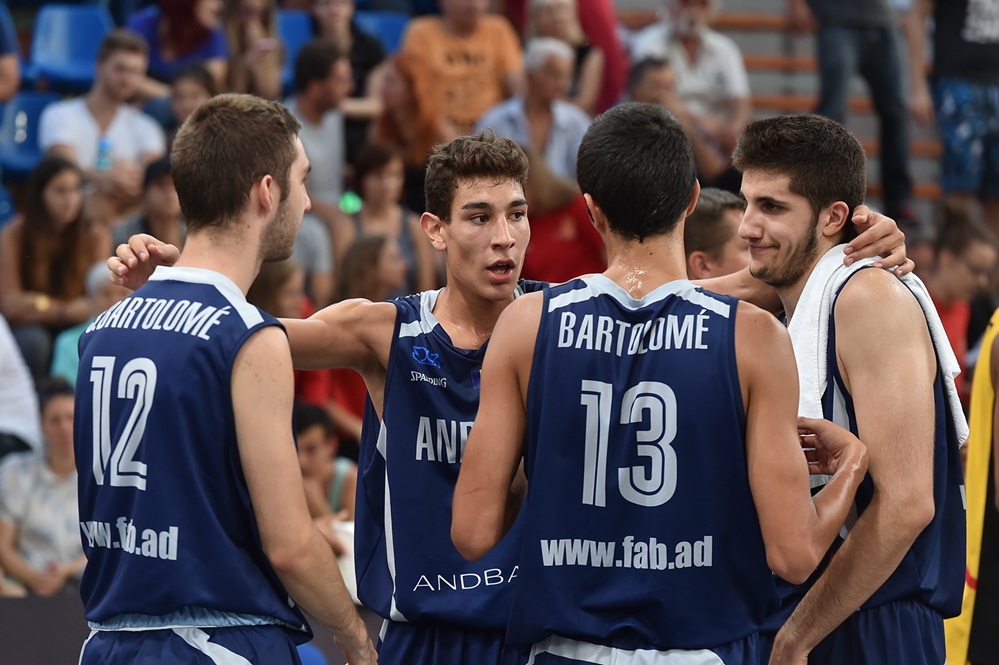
(639, 468)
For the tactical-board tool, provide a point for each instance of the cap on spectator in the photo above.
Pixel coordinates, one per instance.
(156, 170)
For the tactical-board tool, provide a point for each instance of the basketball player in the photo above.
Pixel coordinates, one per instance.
(656, 423)
(192, 510)
(420, 358)
(902, 563)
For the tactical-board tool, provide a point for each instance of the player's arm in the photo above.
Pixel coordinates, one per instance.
(262, 389)
(486, 498)
(879, 236)
(880, 331)
(353, 333)
(797, 529)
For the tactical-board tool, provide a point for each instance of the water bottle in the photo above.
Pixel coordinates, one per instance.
(104, 154)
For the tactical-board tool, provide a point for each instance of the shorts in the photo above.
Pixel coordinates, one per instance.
(968, 121)
(401, 643)
(239, 645)
(558, 650)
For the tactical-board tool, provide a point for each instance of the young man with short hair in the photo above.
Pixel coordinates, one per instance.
(711, 240)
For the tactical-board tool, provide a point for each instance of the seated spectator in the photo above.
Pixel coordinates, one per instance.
(191, 86)
(711, 235)
(10, 68)
(161, 216)
(100, 132)
(255, 52)
(474, 59)
(66, 350)
(564, 244)
(330, 481)
(711, 77)
(333, 21)
(411, 122)
(542, 119)
(558, 19)
(44, 254)
(20, 430)
(322, 81)
(40, 544)
(965, 258)
(378, 173)
(179, 33)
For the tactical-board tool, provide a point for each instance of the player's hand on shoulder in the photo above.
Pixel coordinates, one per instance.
(829, 448)
(879, 237)
(136, 260)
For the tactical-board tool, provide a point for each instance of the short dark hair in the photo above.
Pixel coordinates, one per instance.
(122, 39)
(640, 68)
(315, 62)
(52, 387)
(196, 72)
(483, 155)
(705, 229)
(636, 162)
(960, 231)
(156, 170)
(372, 157)
(825, 162)
(229, 143)
(308, 416)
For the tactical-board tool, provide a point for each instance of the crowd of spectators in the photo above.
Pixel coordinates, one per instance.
(536, 72)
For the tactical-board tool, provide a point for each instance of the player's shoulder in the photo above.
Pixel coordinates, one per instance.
(872, 292)
(751, 323)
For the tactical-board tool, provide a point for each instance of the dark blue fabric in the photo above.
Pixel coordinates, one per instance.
(261, 645)
(441, 644)
(146, 23)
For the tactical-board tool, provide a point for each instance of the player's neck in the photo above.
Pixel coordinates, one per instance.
(222, 254)
(790, 294)
(467, 318)
(642, 267)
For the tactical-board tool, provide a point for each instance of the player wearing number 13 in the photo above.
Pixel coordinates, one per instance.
(657, 424)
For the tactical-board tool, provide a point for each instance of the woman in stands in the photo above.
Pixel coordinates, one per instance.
(255, 51)
(559, 19)
(44, 256)
(40, 545)
(191, 86)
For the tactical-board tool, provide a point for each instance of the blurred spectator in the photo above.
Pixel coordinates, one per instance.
(322, 81)
(965, 97)
(542, 119)
(378, 173)
(10, 68)
(19, 425)
(564, 243)
(255, 52)
(334, 22)
(558, 19)
(411, 122)
(279, 290)
(711, 235)
(191, 86)
(965, 258)
(105, 136)
(44, 254)
(861, 36)
(161, 216)
(66, 351)
(474, 58)
(179, 33)
(40, 544)
(711, 77)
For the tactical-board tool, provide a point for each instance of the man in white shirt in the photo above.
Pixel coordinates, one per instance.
(711, 77)
(322, 81)
(110, 140)
(20, 429)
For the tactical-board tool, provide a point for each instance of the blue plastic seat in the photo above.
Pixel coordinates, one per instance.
(310, 655)
(295, 29)
(388, 27)
(9, 31)
(65, 44)
(19, 149)
(7, 209)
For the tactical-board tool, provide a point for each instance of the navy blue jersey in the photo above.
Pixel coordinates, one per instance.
(165, 514)
(407, 567)
(640, 530)
(932, 571)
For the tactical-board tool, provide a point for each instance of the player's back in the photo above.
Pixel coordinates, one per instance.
(640, 530)
(165, 512)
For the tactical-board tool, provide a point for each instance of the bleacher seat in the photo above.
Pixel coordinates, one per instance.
(295, 30)
(64, 46)
(7, 209)
(388, 27)
(9, 31)
(19, 150)
(310, 655)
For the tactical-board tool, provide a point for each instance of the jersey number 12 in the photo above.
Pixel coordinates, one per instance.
(137, 382)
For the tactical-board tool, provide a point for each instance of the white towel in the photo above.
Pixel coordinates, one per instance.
(809, 329)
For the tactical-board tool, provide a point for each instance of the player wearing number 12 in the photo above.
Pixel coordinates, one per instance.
(657, 423)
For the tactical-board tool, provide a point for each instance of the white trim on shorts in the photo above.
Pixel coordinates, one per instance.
(84, 647)
(198, 639)
(597, 653)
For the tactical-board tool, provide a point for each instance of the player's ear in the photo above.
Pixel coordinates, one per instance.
(432, 226)
(693, 199)
(265, 194)
(834, 218)
(697, 265)
(597, 216)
